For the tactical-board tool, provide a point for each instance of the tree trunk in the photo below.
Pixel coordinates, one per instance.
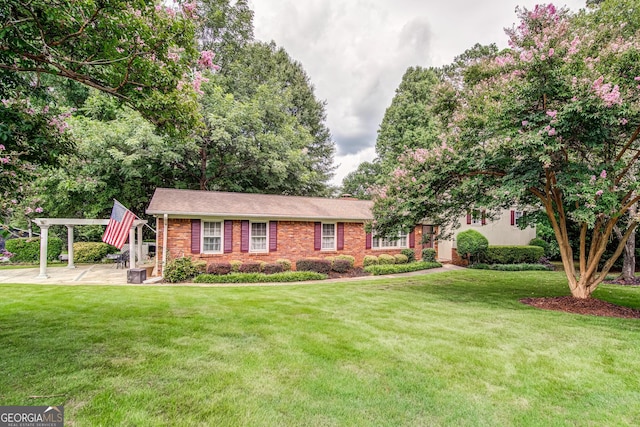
(629, 260)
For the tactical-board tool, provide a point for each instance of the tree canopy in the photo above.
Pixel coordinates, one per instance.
(550, 123)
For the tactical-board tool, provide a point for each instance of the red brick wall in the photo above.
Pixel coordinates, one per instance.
(295, 241)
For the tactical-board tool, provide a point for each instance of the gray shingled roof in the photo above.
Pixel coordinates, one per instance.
(192, 203)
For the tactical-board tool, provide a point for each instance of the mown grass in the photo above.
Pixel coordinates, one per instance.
(453, 348)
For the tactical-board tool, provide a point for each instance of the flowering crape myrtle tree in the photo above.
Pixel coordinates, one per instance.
(143, 53)
(552, 122)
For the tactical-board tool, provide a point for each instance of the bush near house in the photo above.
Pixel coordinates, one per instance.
(219, 268)
(369, 260)
(512, 267)
(250, 267)
(180, 270)
(285, 263)
(317, 265)
(272, 268)
(287, 276)
(378, 270)
(429, 255)
(235, 265)
(471, 244)
(385, 259)
(401, 259)
(28, 249)
(341, 265)
(349, 258)
(91, 251)
(410, 254)
(513, 254)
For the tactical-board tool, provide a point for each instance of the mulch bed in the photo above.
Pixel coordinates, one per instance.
(589, 306)
(353, 272)
(630, 282)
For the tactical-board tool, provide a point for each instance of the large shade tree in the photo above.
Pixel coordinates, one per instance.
(143, 53)
(550, 123)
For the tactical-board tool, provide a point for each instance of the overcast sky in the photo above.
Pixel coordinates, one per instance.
(356, 51)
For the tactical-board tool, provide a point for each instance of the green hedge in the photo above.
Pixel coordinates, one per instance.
(317, 265)
(91, 251)
(378, 270)
(513, 254)
(182, 269)
(370, 260)
(511, 267)
(28, 249)
(287, 276)
(429, 255)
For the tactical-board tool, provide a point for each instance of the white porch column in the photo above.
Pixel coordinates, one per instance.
(132, 248)
(165, 228)
(70, 263)
(44, 242)
(139, 245)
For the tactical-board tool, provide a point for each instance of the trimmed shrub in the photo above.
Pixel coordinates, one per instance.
(386, 259)
(410, 254)
(200, 266)
(28, 249)
(511, 267)
(287, 276)
(539, 242)
(429, 255)
(180, 270)
(91, 251)
(378, 270)
(250, 267)
(401, 258)
(349, 258)
(369, 260)
(272, 268)
(514, 254)
(472, 244)
(285, 263)
(235, 265)
(341, 265)
(219, 268)
(317, 265)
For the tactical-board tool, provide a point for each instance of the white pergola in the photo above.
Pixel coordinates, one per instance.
(45, 223)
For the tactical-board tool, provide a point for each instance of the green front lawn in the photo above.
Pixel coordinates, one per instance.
(453, 348)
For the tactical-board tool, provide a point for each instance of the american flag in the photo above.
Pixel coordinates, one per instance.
(119, 225)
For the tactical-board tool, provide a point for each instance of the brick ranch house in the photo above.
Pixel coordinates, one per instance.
(218, 226)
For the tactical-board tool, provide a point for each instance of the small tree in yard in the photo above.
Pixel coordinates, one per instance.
(553, 122)
(471, 244)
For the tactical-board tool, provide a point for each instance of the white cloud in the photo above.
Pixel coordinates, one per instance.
(356, 51)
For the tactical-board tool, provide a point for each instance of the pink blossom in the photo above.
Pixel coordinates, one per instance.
(526, 56)
(206, 59)
(189, 8)
(593, 179)
(6, 102)
(623, 121)
(552, 113)
(198, 79)
(39, 210)
(603, 174)
(4, 160)
(599, 193)
(552, 131)
(637, 78)
(525, 123)
(551, 52)
(27, 211)
(2, 148)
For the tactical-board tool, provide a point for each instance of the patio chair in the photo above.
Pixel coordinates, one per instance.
(122, 260)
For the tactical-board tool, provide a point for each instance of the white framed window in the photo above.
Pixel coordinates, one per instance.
(258, 237)
(212, 237)
(516, 216)
(401, 241)
(328, 237)
(476, 217)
